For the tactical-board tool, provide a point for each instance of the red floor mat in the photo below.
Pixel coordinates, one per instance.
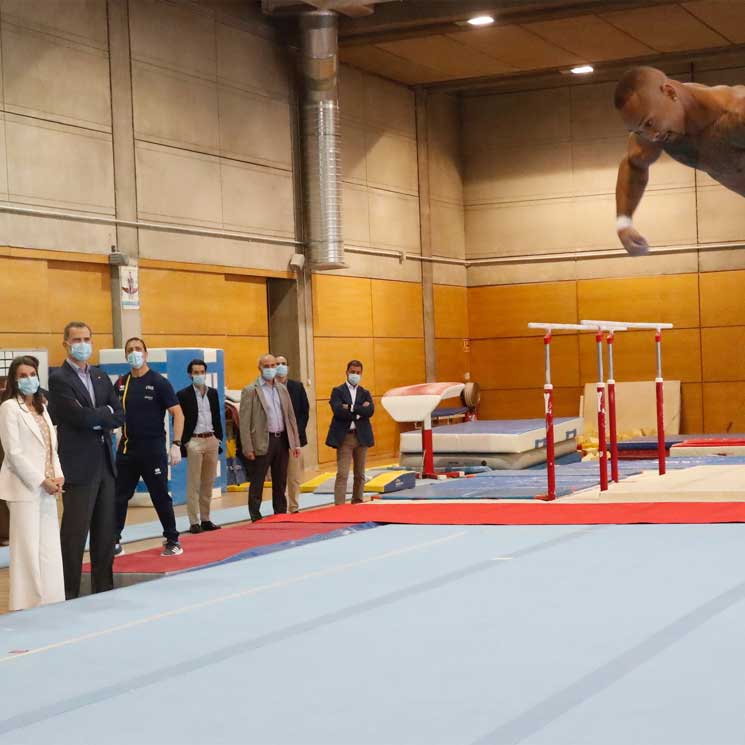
(218, 545)
(538, 513)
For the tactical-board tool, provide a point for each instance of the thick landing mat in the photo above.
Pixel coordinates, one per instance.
(207, 549)
(536, 513)
(492, 436)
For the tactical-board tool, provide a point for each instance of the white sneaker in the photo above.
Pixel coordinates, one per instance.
(172, 548)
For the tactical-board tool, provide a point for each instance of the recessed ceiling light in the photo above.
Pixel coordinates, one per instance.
(582, 70)
(481, 20)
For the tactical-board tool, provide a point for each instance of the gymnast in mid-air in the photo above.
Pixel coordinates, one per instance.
(698, 125)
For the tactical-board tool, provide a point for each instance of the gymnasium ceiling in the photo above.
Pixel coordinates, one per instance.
(426, 41)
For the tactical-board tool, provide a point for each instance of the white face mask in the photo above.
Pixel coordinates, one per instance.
(136, 360)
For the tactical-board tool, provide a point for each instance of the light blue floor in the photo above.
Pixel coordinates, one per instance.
(403, 634)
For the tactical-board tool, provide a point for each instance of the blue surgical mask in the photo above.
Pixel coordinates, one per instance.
(136, 360)
(282, 370)
(199, 379)
(353, 378)
(268, 373)
(81, 351)
(28, 386)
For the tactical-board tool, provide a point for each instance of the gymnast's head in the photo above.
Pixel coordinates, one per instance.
(650, 104)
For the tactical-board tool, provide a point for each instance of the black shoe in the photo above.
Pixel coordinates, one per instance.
(195, 528)
(209, 525)
(255, 519)
(118, 550)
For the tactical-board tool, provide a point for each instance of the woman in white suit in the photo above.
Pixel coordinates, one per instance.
(30, 480)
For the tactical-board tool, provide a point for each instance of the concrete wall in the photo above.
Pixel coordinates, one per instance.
(210, 113)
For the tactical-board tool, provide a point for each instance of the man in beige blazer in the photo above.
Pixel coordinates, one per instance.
(269, 436)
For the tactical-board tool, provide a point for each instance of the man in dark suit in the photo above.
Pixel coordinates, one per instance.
(84, 406)
(350, 432)
(301, 407)
(200, 443)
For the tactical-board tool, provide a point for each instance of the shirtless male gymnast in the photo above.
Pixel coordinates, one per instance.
(700, 126)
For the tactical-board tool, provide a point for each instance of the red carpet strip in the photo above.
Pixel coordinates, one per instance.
(538, 513)
(208, 548)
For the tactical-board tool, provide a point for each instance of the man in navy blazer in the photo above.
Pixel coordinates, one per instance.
(85, 408)
(350, 432)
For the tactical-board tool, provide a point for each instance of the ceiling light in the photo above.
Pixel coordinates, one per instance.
(582, 70)
(481, 20)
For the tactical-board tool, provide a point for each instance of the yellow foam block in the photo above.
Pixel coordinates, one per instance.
(315, 482)
(382, 480)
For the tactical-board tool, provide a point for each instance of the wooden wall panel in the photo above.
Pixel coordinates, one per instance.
(692, 408)
(724, 407)
(505, 310)
(323, 420)
(451, 312)
(385, 430)
(243, 309)
(451, 361)
(23, 289)
(398, 362)
(242, 358)
(527, 403)
(397, 308)
(332, 355)
(216, 303)
(40, 296)
(671, 298)
(722, 352)
(518, 363)
(723, 298)
(635, 357)
(80, 292)
(342, 306)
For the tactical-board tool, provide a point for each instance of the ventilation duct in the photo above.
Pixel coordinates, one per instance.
(322, 139)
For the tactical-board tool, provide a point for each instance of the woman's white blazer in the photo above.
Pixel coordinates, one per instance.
(23, 468)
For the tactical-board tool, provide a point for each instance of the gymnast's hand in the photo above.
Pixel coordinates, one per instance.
(633, 241)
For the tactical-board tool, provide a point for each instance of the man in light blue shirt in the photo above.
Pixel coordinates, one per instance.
(269, 435)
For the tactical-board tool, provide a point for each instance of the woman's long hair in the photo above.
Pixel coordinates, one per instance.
(11, 388)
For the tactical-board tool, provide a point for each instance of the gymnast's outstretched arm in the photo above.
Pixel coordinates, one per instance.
(633, 175)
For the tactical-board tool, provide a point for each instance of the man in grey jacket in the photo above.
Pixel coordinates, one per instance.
(269, 436)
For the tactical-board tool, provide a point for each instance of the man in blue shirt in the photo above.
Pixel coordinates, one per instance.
(146, 397)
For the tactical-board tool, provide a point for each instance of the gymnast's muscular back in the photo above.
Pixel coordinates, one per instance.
(719, 148)
(700, 126)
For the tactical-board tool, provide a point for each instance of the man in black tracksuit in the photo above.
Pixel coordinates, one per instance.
(146, 397)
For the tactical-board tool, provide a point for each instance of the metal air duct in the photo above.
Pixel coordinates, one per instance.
(322, 139)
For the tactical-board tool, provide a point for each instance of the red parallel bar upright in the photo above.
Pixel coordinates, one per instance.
(660, 406)
(612, 411)
(603, 456)
(548, 401)
(428, 465)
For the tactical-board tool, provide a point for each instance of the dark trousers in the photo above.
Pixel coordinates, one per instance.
(152, 467)
(276, 458)
(88, 507)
